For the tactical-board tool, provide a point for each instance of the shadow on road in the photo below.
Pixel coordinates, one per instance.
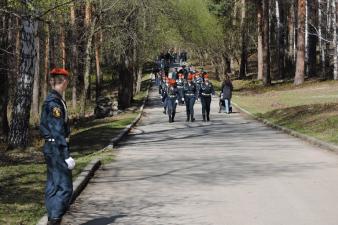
(104, 220)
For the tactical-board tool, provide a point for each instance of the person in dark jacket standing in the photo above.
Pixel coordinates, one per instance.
(190, 97)
(206, 91)
(55, 130)
(227, 89)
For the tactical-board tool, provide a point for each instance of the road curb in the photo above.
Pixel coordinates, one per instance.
(304, 137)
(88, 172)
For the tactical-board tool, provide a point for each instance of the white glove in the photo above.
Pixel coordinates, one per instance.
(182, 99)
(176, 101)
(70, 163)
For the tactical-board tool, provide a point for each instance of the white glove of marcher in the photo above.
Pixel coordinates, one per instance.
(176, 101)
(70, 163)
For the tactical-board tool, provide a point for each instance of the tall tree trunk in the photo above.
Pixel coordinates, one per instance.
(46, 62)
(280, 16)
(244, 53)
(98, 43)
(74, 61)
(313, 39)
(126, 80)
(18, 135)
(328, 36)
(321, 41)
(52, 49)
(266, 43)
(90, 29)
(36, 87)
(4, 68)
(300, 63)
(306, 45)
(260, 40)
(335, 39)
(63, 46)
(98, 66)
(291, 36)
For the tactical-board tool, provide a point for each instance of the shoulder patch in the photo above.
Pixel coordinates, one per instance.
(56, 112)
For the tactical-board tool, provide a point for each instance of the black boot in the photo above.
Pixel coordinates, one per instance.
(208, 117)
(192, 118)
(165, 111)
(173, 117)
(54, 222)
(188, 117)
(170, 119)
(204, 118)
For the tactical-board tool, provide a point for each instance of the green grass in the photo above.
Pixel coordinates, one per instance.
(310, 109)
(22, 172)
(22, 184)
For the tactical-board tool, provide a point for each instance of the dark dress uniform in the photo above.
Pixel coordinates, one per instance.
(55, 129)
(172, 100)
(164, 95)
(207, 89)
(190, 96)
(198, 81)
(180, 88)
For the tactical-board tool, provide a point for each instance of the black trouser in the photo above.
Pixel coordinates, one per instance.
(180, 94)
(206, 101)
(189, 104)
(59, 186)
(171, 106)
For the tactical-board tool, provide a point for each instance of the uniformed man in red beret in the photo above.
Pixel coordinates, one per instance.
(172, 100)
(190, 97)
(54, 128)
(206, 91)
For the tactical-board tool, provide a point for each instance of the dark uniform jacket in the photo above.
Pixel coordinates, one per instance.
(54, 125)
(172, 93)
(180, 83)
(190, 90)
(199, 81)
(207, 89)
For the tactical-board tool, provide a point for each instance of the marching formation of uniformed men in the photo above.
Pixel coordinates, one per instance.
(54, 128)
(186, 88)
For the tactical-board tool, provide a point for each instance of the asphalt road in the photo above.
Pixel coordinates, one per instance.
(231, 171)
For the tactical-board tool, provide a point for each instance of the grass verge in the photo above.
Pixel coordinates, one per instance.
(23, 172)
(22, 184)
(311, 109)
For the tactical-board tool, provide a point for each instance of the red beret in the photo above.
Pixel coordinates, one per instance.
(59, 71)
(172, 81)
(190, 77)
